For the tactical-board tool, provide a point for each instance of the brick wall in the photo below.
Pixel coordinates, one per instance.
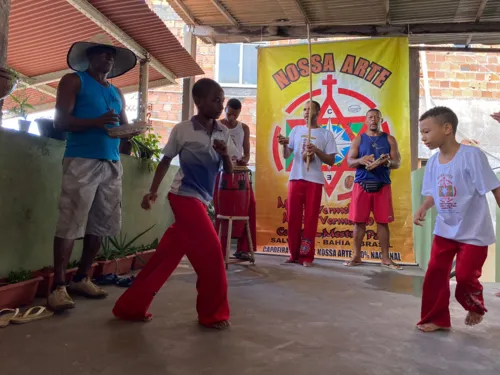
(462, 75)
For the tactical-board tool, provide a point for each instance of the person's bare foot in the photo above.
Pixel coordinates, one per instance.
(307, 264)
(430, 327)
(388, 263)
(224, 324)
(473, 318)
(353, 262)
(290, 261)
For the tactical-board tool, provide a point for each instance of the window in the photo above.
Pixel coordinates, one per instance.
(237, 64)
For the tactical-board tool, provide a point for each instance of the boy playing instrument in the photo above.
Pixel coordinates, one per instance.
(202, 145)
(456, 181)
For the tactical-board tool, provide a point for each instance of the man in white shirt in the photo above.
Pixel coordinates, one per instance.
(305, 186)
(456, 181)
(240, 134)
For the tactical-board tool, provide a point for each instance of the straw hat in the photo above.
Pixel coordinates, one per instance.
(125, 59)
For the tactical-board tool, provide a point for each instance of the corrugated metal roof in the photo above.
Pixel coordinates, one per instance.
(41, 32)
(342, 12)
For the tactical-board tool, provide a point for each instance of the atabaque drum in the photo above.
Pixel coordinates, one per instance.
(233, 196)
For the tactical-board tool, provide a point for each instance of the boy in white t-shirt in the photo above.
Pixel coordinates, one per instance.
(305, 187)
(456, 181)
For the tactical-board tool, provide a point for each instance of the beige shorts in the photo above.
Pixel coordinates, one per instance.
(91, 198)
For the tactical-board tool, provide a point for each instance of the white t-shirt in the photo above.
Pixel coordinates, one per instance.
(323, 139)
(459, 189)
(238, 136)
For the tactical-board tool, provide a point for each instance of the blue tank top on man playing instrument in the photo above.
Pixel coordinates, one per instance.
(94, 100)
(375, 146)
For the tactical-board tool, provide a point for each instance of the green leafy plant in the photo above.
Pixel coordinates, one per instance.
(21, 275)
(73, 264)
(147, 148)
(22, 106)
(151, 246)
(211, 212)
(118, 246)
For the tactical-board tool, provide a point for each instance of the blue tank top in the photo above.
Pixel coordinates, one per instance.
(366, 147)
(92, 101)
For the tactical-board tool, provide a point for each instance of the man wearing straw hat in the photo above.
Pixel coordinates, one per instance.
(87, 106)
(305, 185)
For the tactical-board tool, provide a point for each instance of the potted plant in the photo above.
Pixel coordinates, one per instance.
(18, 289)
(21, 110)
(146, 147)
(143, 254)
(47, 273)
(117, 255)
(8, 82)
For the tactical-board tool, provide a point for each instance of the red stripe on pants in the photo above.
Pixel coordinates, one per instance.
(304, 201)
(193, 234)
(436, 289)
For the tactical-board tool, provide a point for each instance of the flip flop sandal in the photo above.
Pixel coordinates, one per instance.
(6, 315)
(109, 279)
(125, 282)
(392, 266)
(243, 256)
(35, 313)
(352, 263)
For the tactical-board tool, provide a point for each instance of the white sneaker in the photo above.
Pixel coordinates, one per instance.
(59, 300)
(87, 288)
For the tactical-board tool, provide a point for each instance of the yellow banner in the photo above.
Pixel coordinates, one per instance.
(348, 79)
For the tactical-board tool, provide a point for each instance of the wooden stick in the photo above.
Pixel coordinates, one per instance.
(310, 95)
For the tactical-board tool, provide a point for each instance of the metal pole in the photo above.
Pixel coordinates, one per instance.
(142, 105)
(187, 83)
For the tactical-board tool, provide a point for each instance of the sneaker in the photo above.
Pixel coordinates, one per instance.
(87, 288)
(59, 300)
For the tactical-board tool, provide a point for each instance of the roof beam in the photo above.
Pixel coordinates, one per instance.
(151, 85)
(300, 32)
(387, 11)
(302, 11)
(468, 41)
(225, 12)
(43, 79)
(25, 81)
(480, 10)
(125, 90)
(190, 17)
(105, 23)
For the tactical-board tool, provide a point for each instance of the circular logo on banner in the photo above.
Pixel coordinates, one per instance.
(344, 128)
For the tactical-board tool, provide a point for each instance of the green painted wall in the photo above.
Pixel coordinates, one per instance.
(30, 179)
(422, 236)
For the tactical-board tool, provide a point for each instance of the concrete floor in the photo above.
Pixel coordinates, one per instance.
(286, 320)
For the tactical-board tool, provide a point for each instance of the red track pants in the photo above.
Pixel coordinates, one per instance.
(436, 289)
(304, 201)
(193, 234)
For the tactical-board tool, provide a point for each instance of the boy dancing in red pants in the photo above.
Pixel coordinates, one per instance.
(456, 181)
(305, 186)
(202, 145)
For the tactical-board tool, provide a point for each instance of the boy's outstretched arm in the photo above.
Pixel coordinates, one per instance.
(422, 211)
(160, 173)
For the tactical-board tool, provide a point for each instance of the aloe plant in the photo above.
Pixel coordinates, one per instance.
(118, 246)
